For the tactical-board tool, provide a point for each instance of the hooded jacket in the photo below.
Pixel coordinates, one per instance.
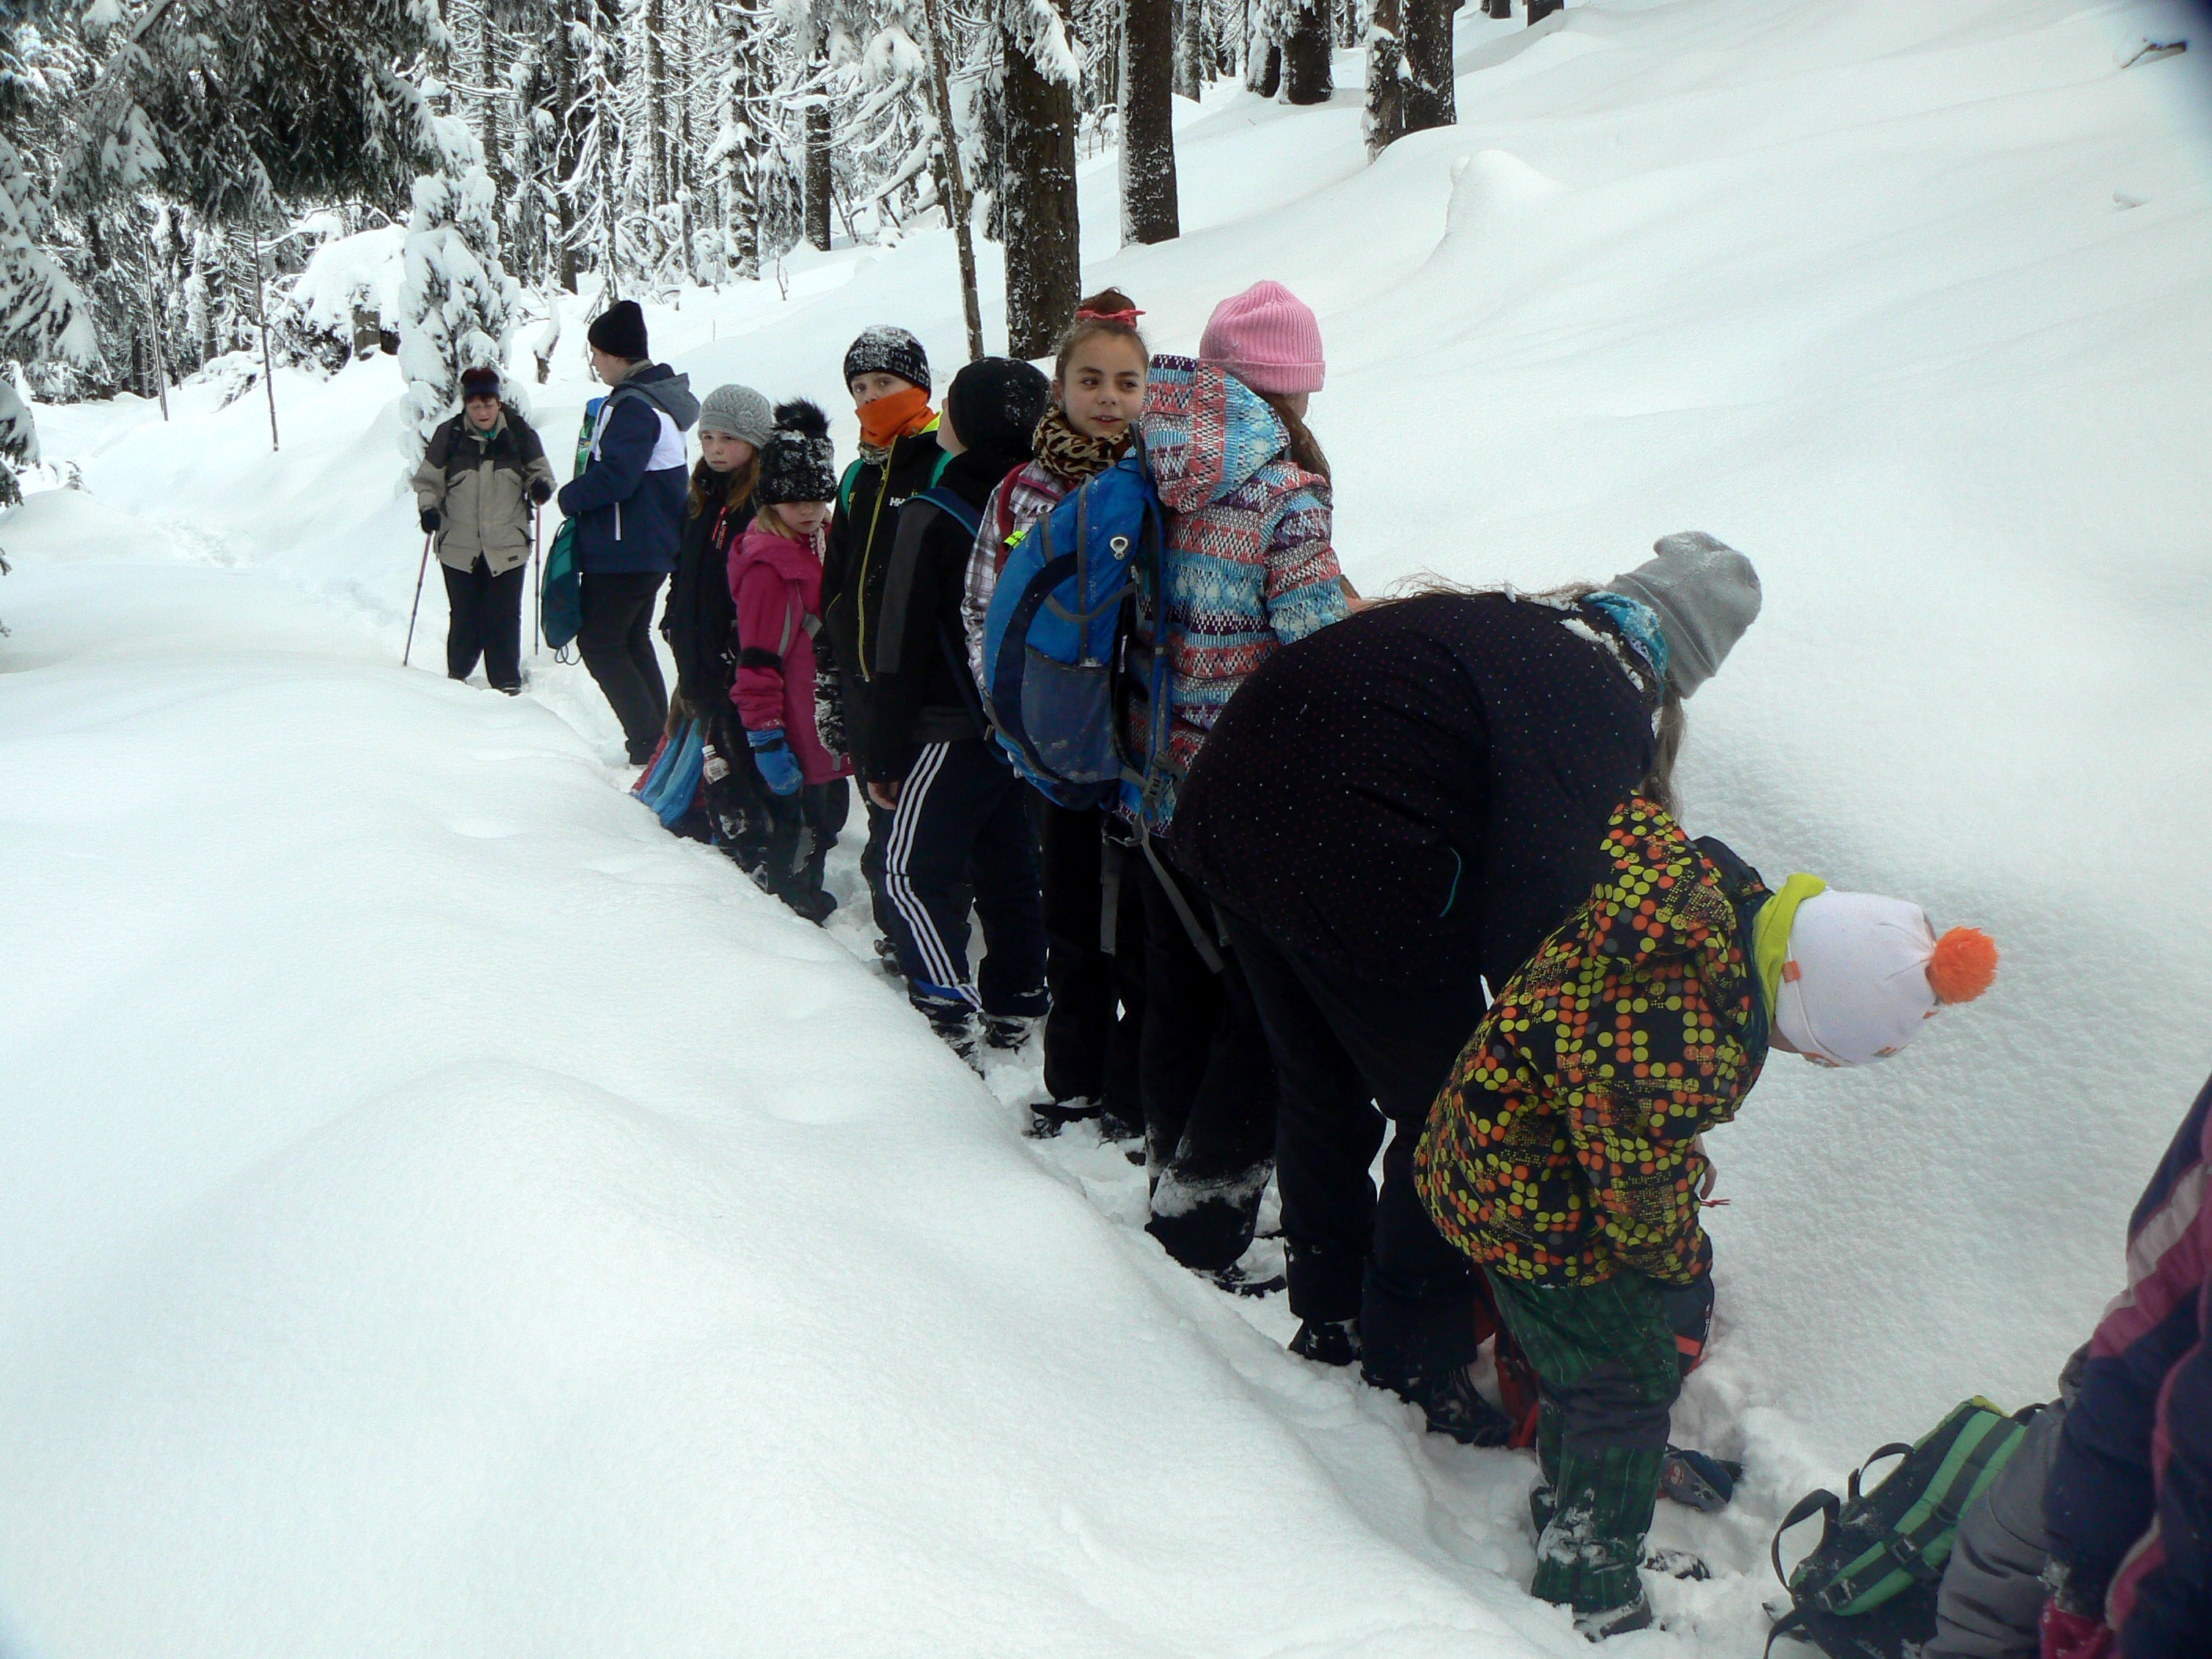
(1248, 564)
(923, 689)
(629, 501)
(861, 529)
(480, 483)
(775, 587)
(1416, 796)
(1563, 1148)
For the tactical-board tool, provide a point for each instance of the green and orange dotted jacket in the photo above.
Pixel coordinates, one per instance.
(1562, 1148)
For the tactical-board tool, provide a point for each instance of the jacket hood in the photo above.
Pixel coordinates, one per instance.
(1206, 433)
(666, 391)
(785, 556)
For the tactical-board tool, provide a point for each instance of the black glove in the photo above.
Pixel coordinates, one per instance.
(541, 492)
(431, 520)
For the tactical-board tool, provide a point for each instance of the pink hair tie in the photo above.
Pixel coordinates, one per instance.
(1127, 319)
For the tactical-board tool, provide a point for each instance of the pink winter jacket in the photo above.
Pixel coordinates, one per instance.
(776, 584)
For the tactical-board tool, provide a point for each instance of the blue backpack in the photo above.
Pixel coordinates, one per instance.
(1059, 655)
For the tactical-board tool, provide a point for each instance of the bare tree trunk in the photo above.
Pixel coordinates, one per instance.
(1044, 255)
(1307, 76)
(1186, 19)
(1263, 58)
(957, 208)
(818, 175)
(564, 152)
(1385, 120)
(1432, 98)
(1540, 9)
(1149, 207)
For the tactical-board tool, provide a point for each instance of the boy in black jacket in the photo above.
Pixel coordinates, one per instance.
(887, 371)
(957, 812)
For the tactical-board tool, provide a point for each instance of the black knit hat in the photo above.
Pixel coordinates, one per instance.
(798, 462)
(995, 404)
(619, 331)
(482, 381)
(887, 351)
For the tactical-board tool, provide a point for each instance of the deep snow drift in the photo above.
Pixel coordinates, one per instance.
(448, 1215)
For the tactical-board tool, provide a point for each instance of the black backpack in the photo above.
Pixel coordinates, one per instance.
(1868, 1590)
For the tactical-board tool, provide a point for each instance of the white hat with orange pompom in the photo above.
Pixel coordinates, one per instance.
(1863, 973)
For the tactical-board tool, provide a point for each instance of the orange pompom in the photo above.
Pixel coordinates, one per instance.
(1964, 963)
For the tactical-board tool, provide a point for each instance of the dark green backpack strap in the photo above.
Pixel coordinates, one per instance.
(1823, 1503)
(845, 485)
(1894, 1448)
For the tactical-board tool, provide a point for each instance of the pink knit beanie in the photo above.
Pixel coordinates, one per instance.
(1267, 337)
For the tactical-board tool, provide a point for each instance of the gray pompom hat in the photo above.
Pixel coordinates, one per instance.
(1704, 593)
(737, 411)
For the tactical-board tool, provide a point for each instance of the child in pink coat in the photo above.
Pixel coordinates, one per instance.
(775, 583)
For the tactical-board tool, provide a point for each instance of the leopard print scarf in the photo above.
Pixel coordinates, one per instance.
(1074, 455)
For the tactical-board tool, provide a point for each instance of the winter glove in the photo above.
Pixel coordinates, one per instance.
(431, 520)
(778, 767)
(2073, 1635)
(541, 492)
(829, 715)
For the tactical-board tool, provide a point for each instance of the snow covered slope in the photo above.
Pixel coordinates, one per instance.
(447, 1215)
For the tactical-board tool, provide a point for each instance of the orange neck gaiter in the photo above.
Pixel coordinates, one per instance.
(888, 419)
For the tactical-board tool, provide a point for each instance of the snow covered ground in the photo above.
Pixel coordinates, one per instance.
(448, 1215)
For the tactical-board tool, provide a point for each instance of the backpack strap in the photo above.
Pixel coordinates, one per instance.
(795, 617)
(1824, 1503)
(845, 485)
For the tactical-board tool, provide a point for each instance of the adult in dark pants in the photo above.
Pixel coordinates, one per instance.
(629, 504)
(1388, 814)
(887, 373)
(483, 473)
(958, 810)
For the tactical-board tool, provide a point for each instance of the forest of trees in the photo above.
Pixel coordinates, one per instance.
(166, 166)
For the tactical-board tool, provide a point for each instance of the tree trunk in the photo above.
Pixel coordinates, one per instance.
(818, 177)
(1186, 19)
(1431, 97)
(1385, 120)
(1044, 256)
(564, 152)
(1263, 65)
(1149, 211)
(1540, 9)
(1307, 75)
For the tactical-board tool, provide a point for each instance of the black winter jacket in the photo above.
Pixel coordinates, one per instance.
(696, 622)
(921, 692)
(1421, 793)
(859, 545)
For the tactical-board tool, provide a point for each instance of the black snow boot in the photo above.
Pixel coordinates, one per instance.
(1453, 1407)
(1616, 1621)
(1328, 1342)
(957, 1032)
(1049, 1118)
(1007, 1032)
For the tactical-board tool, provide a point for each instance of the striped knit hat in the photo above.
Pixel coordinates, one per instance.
(1268, 338)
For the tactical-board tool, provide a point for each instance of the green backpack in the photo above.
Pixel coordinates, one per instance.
(561, 598)
(1868, 1590)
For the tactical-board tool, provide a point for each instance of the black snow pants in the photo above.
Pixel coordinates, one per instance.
(1094, 930)
(614, 638)
(1206, 1080)
(802, 828)
(1342, 1047)
(485, 621)
(961, 819)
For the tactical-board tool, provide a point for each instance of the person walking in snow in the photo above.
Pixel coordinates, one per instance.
(1246, 569)
(1390, 815)
(887, 373)
(960, 823)
(484, 473)
(776, 590)
(734, 424)
(1564, 1155)
(2129, 1502)
(629, 504)
(1094, 926)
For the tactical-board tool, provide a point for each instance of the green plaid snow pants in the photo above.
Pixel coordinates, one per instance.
(1607, 1372)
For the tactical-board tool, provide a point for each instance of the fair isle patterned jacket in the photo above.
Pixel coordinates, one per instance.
(1247, 565)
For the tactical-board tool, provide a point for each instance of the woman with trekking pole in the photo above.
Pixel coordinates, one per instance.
(482, 476)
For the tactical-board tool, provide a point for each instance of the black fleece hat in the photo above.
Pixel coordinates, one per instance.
(619, 331)
(798, 462)
(887, 351)
(482, 381)
(995, 404)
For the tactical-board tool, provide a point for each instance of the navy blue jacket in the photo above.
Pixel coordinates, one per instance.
(629, 501)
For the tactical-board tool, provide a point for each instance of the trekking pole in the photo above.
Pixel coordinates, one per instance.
(537, 590)
(421, 571)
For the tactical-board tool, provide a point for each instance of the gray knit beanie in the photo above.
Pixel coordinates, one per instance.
(1704, 593)
(737, 411)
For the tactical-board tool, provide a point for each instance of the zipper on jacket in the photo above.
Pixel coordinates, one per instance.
(861, 602)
